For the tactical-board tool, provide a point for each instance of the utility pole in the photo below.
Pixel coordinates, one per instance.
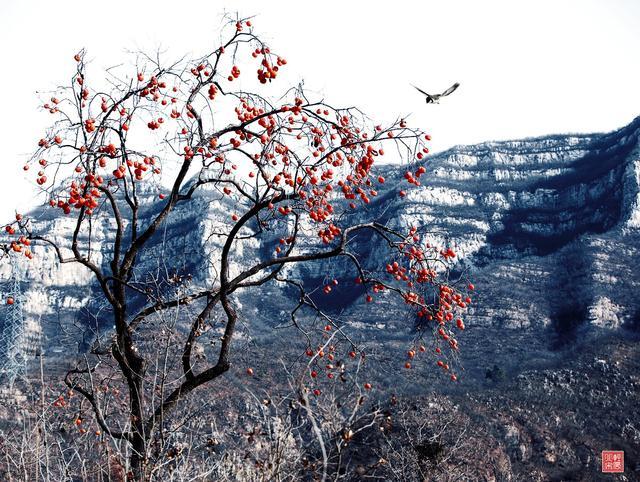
(12, 358)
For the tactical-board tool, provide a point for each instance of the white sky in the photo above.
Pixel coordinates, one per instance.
(527, 68)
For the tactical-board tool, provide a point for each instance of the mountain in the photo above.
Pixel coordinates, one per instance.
(548, 228)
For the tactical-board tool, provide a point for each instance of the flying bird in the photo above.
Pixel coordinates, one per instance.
(434, 98)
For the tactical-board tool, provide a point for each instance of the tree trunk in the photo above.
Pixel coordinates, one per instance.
(139, 437)
(138, 459)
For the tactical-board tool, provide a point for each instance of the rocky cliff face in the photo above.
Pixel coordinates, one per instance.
(548, 227)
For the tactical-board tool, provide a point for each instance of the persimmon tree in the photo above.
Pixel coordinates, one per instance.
(295, 168)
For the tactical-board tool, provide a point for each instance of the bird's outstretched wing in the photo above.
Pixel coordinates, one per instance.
(420, 90)
(450, 89)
